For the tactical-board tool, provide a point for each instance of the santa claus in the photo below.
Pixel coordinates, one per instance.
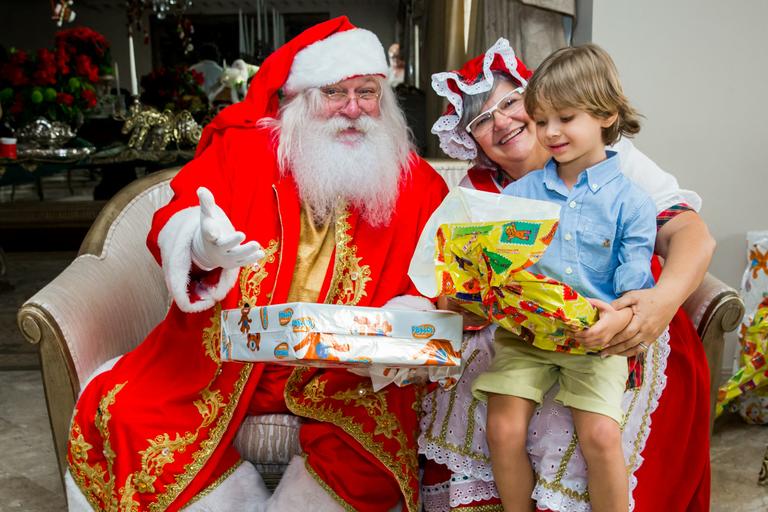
(315, 198)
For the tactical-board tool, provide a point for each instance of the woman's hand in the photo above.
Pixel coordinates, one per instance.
(653, 310)
(472, 322)
(611, 321)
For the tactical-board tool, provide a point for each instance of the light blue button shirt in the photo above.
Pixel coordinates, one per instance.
(607, 230)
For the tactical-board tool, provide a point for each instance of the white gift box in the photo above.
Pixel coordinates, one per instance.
(331, 335)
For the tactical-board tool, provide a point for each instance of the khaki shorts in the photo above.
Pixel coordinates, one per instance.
(587, 382)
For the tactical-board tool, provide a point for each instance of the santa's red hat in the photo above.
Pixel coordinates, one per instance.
(476, 76)
(321, 55)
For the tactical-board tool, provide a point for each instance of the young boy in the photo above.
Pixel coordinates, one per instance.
(602, 249)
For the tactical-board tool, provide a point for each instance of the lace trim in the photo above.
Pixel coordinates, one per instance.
(561, 486)
(568, 493)
(460, 491)
(464, 452)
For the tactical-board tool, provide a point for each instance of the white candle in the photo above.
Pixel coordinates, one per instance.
(258, 19)
(118, 95)
(132, 57)
(246, 35)
(251, 39)
(264, 19)
(274, 28)
(117, 79)
(416, 56)
(241, 46)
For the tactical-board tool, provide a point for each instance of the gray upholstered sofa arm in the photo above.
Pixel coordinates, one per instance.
(104, 303)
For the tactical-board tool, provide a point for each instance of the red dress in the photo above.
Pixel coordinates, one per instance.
(158, 428)
(675, 473)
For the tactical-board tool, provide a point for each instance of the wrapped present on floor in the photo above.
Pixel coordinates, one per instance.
(383, 341)
(747, 391)
(479, 245)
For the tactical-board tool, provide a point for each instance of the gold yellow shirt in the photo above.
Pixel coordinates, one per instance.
(316, 245)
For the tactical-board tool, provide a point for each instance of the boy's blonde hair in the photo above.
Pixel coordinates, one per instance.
(584, 78)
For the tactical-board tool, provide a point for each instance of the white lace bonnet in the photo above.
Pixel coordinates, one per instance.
(468, 80)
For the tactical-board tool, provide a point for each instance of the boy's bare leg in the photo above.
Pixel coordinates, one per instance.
(600, 440)
(507, 430)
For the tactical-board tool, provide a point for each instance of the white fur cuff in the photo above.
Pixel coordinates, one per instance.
(175, 242)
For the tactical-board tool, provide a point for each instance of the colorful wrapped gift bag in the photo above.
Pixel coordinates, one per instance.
(471, 251)
(746, 392)
(400, 346)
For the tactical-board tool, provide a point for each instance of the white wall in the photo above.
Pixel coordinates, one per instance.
(697, 70)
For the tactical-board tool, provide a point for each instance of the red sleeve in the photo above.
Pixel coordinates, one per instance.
(432, 190)
(672, 212)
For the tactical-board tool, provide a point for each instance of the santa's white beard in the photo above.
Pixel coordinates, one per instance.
(330, 163)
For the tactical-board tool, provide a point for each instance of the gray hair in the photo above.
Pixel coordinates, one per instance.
(473, 105)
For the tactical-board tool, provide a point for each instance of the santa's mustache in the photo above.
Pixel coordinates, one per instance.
(337, 124)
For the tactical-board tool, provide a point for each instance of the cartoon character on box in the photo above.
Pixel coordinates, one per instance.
(245, 319)
(320, 346)
(254, 341)
(377, 327)
(759, 261)
(227, 347)
(439, 353)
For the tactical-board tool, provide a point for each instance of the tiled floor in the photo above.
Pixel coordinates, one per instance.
(29, 480)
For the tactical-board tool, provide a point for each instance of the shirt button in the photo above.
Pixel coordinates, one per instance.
(572, 204)
(594, 186)
(567, 236)
(568, 270)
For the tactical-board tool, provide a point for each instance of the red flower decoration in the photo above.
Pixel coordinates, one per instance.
(90, 98)
(62, 60)
(57, 83)
(85, 68)
(63, 98)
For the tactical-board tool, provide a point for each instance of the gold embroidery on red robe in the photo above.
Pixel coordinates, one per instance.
(252, 276)
(312, 402)
(349, 277)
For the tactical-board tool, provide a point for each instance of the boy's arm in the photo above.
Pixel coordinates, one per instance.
(638, 237)
(611, 322)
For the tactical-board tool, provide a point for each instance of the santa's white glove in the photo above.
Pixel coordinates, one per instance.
(216, 243)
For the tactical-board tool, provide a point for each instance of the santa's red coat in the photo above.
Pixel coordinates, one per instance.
(158, 428)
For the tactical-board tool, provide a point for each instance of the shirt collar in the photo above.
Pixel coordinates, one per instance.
(596, 176)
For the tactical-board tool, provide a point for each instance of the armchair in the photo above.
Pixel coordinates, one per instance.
(109, 298)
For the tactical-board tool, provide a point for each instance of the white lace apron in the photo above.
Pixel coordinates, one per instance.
(453, 434)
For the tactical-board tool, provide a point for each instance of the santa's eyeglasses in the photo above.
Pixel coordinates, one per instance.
(509, 105)
(339, 98)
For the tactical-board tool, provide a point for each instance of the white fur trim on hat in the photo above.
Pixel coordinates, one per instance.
(455, 142)
(175, 242)
(354, 52)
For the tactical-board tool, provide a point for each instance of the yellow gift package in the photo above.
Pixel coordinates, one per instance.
(483, 266)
